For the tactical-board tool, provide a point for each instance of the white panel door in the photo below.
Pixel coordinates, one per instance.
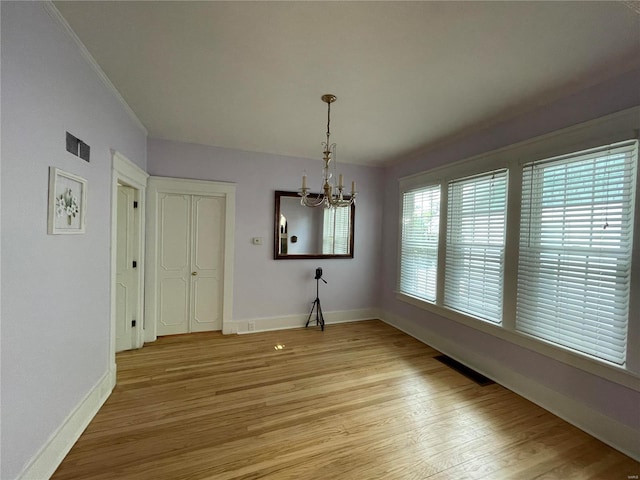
(189, 264)
(208, 221)
(126, 275)
(174, 263)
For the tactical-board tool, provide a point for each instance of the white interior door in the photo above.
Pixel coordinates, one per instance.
(126, 273)
(206, 279)
(190, 252)
(174, 263)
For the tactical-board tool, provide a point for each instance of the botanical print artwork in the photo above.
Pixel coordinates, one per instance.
(67, 205)
(67, 202)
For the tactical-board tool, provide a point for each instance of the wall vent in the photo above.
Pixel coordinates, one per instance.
(78, 147)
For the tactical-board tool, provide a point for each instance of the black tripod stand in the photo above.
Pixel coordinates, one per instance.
(316, 302)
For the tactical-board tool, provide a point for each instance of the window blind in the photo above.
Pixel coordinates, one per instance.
(575, 250)
(475, 245)
(419, 242)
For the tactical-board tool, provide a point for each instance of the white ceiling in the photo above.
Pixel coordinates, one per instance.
(408, 75)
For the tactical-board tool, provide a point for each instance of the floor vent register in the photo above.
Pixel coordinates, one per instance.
(464, 370)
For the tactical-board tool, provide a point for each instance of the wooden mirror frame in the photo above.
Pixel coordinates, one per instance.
(276, 232)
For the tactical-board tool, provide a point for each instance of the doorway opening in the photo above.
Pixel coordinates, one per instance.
(127, 255)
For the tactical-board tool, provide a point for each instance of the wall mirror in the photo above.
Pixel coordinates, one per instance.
(303, 232)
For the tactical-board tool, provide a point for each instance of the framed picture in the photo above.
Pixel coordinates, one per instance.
(67, 202)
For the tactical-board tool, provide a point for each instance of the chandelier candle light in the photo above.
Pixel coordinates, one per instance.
(332, 196)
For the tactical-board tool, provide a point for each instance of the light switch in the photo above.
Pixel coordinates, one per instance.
(257, 240)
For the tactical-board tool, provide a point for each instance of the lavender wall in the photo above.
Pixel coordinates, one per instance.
(611, 399)
(55, 288)
(264, 287)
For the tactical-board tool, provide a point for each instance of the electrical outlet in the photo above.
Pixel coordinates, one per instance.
(251, 326)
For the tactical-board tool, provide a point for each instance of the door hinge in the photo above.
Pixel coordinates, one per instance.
(135, 204)
(135, 264)
(133, 323)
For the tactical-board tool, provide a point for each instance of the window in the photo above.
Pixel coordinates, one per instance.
(575, 251)
(475, 245)
(533, 247)
(335, 231)
(419, 249)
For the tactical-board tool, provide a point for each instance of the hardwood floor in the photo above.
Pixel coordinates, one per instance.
(358, 401)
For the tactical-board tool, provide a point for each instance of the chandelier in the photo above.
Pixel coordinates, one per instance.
(332, 195)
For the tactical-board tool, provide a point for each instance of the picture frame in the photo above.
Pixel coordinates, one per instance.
(67, 203)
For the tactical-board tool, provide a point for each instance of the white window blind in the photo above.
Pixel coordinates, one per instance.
(475, 245)
(335, 231)
(575, 250)
(419, 242)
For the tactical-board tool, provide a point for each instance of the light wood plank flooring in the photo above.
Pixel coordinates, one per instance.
(358, 401)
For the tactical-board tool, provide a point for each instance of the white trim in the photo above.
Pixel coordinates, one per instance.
(185, 186)
(125, 171)
(287, 322)
(56, 15)
(191, 187)
(608, 430)
(47, 460)
(129, 169)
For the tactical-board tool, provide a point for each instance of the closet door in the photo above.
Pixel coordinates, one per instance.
(190, 241)
(174, 263)
(206, 263)
(189, 265)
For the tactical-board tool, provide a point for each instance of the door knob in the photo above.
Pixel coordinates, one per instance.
(194, 273)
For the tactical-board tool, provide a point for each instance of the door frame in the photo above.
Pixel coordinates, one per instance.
(124, 171)
(183, 186)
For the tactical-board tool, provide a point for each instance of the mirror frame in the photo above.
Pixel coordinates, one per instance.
(276, 231)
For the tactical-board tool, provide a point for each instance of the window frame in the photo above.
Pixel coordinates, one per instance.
(452, 245)
(612, 129)
(588, 244)
(424, 190)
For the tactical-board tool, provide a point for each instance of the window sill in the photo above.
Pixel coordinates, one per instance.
(600, 368)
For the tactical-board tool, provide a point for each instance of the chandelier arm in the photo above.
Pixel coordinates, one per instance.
(309, 201)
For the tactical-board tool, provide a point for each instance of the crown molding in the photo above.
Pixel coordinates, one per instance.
(56, 15)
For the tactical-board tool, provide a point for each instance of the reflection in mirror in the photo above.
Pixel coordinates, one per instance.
(318, 232)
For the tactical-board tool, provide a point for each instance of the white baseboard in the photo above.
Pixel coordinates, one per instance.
(44, 464)
(604, 428)
(296, 321)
